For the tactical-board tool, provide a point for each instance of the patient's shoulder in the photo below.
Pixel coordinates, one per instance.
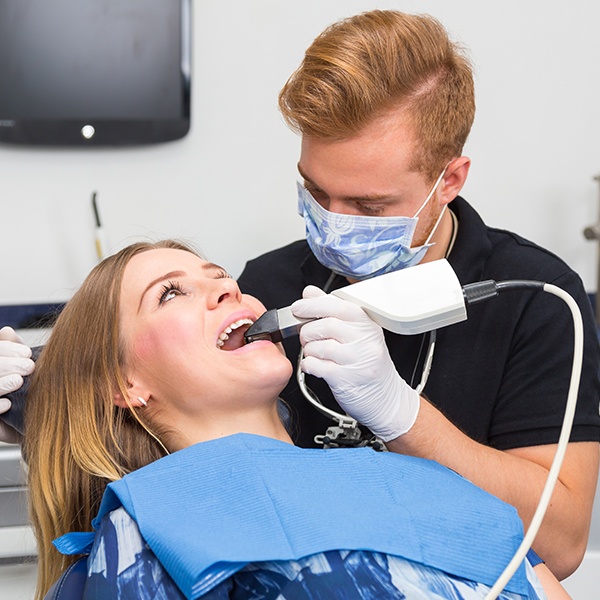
(122, 565)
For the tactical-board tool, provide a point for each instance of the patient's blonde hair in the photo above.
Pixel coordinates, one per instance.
(76, 439)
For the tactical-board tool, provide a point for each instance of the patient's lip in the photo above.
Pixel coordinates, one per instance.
(236, 331)
(233, 322)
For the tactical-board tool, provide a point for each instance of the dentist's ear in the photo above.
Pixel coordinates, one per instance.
(454, 178)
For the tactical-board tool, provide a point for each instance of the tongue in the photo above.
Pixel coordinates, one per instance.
(236, 339)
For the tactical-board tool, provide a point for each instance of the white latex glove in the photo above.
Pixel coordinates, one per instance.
(15, 363)
(347, 349)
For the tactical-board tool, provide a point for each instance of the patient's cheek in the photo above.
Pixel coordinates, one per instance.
(148, 346)
(142, 347)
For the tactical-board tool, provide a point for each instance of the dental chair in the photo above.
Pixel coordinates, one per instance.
(70, 585)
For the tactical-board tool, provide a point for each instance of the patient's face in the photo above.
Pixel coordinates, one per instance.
(182, 322)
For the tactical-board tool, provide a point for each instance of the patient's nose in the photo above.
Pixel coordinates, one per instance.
(225, 289)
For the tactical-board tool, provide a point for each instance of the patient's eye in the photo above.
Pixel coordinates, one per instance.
(169, 291)
(222, 274)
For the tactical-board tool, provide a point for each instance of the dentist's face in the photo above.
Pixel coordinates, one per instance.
(182, 322)
(370, 174)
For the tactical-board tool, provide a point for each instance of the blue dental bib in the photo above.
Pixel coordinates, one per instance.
(208, 510)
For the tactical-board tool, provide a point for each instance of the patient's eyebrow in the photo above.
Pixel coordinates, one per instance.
(208, 266)
(213, 267)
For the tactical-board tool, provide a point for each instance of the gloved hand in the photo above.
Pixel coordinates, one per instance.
(347, 349)
(15, 362)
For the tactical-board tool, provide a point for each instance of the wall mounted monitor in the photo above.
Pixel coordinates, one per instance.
(94, 72)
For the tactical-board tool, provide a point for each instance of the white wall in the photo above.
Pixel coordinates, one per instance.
(229, 185)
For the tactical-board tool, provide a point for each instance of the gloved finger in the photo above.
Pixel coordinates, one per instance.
(325, 350)
(16, 366)
(328, 306)
(325, 369)
(312, 291)
(14, 348)
(8, 333)
(10, 383)
(7, 433)
(358, 365)
(331, 328)
(5, 405)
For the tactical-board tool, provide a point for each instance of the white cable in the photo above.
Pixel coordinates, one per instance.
(563, 440)
(312, 398)
(428, 361)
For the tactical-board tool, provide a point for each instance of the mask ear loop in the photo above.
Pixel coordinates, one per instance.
(431, 192)
(435, 185)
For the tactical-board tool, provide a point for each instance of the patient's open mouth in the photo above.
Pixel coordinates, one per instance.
(232, 337)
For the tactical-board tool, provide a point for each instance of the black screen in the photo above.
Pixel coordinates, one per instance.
(119, 66)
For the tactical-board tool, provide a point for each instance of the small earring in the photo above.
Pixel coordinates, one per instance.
(142, 401)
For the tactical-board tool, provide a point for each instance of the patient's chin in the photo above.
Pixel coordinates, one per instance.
(274, 372)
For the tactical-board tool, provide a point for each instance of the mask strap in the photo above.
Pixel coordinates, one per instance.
(436, 224)
(431, 192)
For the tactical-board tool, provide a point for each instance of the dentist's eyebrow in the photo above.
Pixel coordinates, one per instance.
(166, 276)
(367, 198)
(306, 177)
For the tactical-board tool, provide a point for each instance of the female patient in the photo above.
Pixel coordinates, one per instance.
(146, 383)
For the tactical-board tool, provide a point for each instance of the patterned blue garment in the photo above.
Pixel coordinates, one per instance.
(121, 565)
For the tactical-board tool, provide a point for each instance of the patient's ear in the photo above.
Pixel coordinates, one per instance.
(135, 394)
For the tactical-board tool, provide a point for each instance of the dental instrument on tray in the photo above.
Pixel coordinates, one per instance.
(418, 300)
(100, 235)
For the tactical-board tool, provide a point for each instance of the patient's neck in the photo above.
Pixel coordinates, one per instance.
(264, 422)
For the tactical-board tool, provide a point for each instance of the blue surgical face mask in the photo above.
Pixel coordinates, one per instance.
(360, 247)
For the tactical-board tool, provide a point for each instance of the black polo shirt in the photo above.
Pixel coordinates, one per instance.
(502, 375)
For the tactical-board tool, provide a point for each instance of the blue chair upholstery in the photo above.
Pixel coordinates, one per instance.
(71, 583)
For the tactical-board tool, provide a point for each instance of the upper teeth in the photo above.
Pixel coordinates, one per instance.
(224, 335)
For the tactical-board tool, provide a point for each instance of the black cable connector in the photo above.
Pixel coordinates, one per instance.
(484, 290)
(480, 291)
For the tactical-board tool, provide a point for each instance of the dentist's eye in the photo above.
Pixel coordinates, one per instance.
(317, 194)
(370, 210)
(169, 291)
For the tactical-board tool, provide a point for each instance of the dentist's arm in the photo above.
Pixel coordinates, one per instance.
(346, 349)
(15, 363)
